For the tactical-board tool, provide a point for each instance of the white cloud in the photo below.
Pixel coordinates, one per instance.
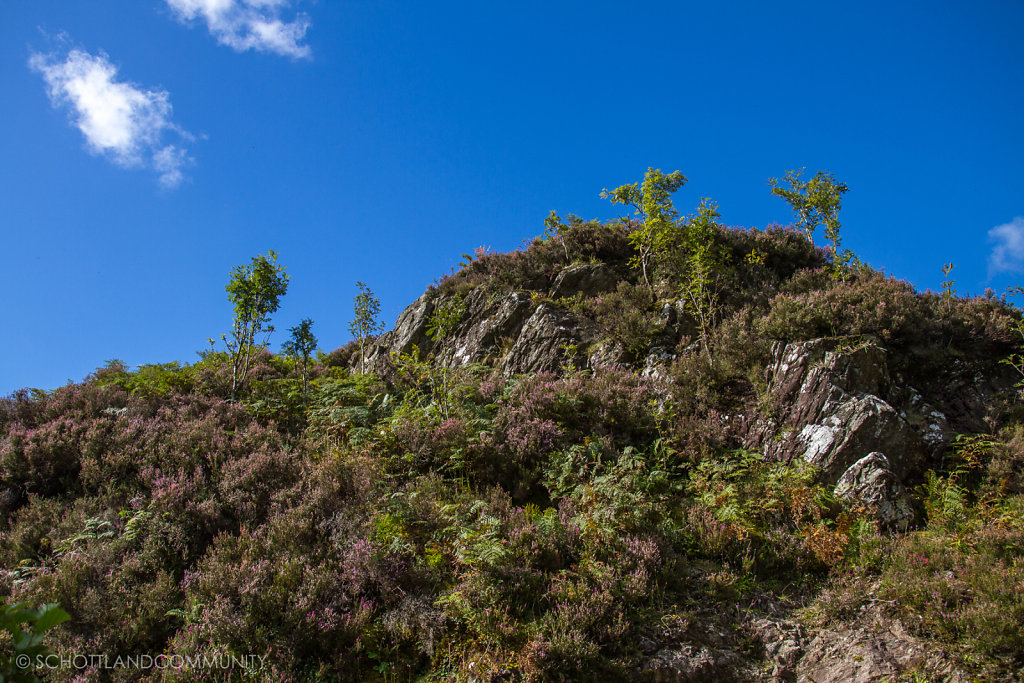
(1008, 254)
(249, 24)
(119, 120)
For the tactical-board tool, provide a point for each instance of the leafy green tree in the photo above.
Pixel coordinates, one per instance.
(815, 202)
(301, 346)
(704, 260)
(657, 236)
(366, 324)
(255, 290)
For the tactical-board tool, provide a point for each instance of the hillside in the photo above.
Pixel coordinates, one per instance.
(561, 464)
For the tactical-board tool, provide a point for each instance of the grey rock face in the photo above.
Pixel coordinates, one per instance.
(846, 430)
(870, 481)
(542, 342)
(931, 423)
(482, 335)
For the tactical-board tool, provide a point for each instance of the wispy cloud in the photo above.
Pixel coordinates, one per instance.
(249, 24)
(1008, 253)
(119, 120)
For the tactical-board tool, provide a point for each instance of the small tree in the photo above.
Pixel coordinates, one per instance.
(366, 323)
(947, 286)
(815, 202)
(703, 262)
(301, 346)
(554, 228)
(657, 236)
(255, 290)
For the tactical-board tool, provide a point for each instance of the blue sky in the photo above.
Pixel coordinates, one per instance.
(151, 145)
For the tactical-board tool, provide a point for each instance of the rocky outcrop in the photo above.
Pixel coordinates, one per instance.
(832, 402)
(830, 410)
(410, 330)
(830, 407)
(783, 643)
(510, 331)
(533, 330)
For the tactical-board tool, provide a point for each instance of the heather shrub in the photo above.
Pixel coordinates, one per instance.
(78, 400)
(341, 357)
(255, 593)
(544, 592)
(318, 608)
(889, 309)
(44, 460)
(960, 586)
(118, 605)
(770, 256)
(258, 484)
(421, 443)
(21, 407)
(525, 427)
(586, 622)
(628, 316)
(28, 532)
(615, 403)
(511, 442)
(536, 265)
(590, 240)
(185, 434)
(707, 389)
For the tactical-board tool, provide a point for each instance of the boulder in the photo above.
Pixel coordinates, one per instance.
(845, 431)
(588, 279)
(871, 482)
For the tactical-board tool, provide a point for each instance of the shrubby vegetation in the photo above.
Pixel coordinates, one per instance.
(457, 524)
